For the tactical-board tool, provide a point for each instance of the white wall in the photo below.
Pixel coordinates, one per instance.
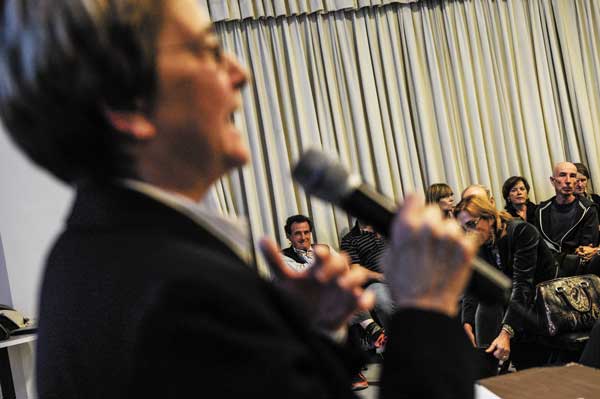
(33, 206)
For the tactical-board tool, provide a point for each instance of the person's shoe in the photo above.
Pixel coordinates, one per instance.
(376, 335)
(359, 382)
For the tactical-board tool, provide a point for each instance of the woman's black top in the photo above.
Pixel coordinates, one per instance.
(530, 213)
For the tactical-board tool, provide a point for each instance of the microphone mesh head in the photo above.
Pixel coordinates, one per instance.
(322, 176)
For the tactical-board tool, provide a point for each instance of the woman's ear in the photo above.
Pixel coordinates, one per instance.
(131, 123)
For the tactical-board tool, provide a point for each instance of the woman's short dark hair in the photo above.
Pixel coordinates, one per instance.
(63, 63)
(581, 168)
(510, 183)
(436, 192)
(296, 219)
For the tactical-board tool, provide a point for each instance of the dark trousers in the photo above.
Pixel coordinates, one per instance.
(487, 364)
(525, 355)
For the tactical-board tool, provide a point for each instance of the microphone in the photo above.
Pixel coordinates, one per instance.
(328, 180)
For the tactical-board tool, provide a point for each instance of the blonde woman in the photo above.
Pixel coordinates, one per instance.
(515, 248)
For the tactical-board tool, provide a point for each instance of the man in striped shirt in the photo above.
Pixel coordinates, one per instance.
(365, 248)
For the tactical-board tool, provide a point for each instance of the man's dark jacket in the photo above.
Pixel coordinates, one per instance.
(139, 301)
(583, 231)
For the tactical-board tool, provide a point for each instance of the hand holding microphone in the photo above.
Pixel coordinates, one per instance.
(424, 252)
(426, 264)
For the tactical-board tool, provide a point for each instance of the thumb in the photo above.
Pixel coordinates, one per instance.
(491, 348)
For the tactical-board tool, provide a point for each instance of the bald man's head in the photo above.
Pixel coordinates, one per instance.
(564, 177)
(479, 190)
(563, 166)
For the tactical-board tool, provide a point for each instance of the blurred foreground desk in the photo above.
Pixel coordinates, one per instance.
(572, 381)
(6, 377)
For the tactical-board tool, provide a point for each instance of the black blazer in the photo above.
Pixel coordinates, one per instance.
(584, 230)
(530, 215)
(138, 301)
(527, 261)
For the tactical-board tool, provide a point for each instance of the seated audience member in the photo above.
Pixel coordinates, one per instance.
(515, 191)
(365, 247)
(300, 254)
(442, 195)
(130, 103)
(581, 186)
(515, 248)
(566, 221)
(478, 190)
(588, 253)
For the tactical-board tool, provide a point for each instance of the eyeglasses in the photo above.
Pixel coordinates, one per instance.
(471, 224)
(214, 49)
(199, 47)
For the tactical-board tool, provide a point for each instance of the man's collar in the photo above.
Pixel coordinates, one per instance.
(563, 200)
(303, 251)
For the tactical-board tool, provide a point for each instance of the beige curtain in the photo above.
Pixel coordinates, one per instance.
(410, 95)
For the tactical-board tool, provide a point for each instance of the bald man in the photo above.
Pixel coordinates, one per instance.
(566, 221)
(478, 190)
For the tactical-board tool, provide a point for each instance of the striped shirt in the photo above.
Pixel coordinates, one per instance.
(364, 248)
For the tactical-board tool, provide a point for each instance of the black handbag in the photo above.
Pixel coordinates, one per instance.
(568, 304)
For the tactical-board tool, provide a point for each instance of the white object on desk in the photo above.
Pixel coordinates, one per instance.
(482, 392)
(17, 340)
(21, 351)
